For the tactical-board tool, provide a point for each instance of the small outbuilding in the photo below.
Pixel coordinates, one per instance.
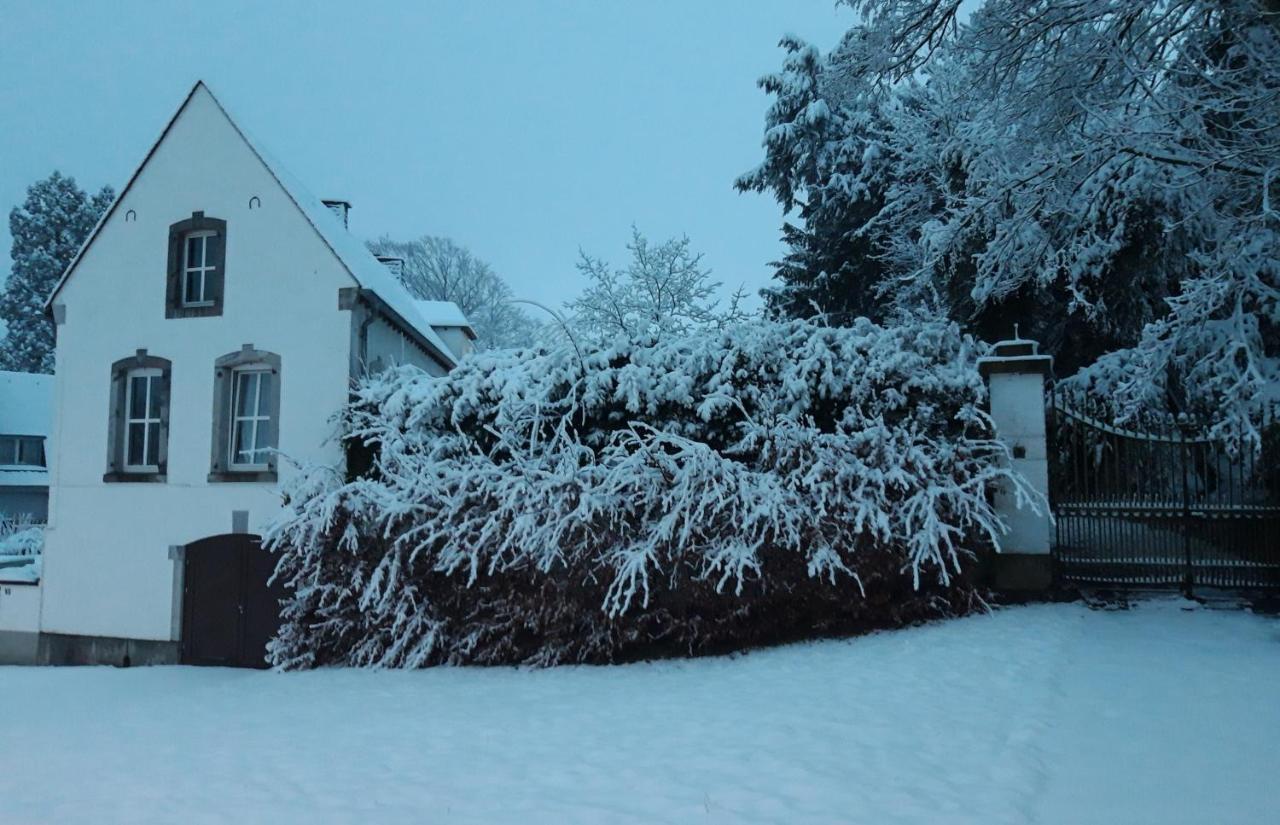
(26, 411)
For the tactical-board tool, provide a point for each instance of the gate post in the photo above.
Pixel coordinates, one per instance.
(1015, 376)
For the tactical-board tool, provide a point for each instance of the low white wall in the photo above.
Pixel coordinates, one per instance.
(20, 608)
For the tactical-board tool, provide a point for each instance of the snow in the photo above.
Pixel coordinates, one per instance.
(19, 568)
(715, 463)
(1046, 714)
(442, 314)
(359, 261)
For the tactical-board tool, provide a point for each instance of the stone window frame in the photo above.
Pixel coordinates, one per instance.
(216, 250)
(224, 371)
(116, 432)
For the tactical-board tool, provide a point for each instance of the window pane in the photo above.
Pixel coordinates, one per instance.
(242, 446)
(194, 290)
(195, 251)
(153, 403)
(264, 393)
(137, 395)
(263, 441)
(246, 383)
(30, 451)
(8, 450)
(134, 451)
(153, 445)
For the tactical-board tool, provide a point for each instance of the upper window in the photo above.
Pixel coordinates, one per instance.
(21, 451)
(198, 271)
(246, 416)
(138, 426)
(197, 262)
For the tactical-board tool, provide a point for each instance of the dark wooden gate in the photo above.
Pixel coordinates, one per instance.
(1161, 506)
(229, 612)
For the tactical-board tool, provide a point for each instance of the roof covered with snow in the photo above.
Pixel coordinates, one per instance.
(367, 271)
(443, 314)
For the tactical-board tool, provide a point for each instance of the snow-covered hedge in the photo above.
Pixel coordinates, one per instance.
(702, 493)
(21, 536)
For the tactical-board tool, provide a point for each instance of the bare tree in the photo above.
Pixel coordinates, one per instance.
(438, 269)
(664, 289)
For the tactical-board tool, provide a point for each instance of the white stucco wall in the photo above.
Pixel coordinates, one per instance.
(107, 566)
(457, 340)
(19, 608)
(386, 345)
(1017, 409)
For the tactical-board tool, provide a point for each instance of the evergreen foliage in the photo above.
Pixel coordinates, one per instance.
(48, 230)
(1103, 173)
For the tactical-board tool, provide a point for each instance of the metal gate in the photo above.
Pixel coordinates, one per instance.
(1161, 506)
(229, 612)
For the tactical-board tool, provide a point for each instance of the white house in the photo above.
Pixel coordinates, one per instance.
(26, 412)
(206, 333)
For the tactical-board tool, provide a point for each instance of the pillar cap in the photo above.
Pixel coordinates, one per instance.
(1015, 355)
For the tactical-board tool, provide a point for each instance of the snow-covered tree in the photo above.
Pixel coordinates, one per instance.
(48, 229)
(1105, 172)
(815, 141)
(439, 269)
(674, 494)
(664, 289)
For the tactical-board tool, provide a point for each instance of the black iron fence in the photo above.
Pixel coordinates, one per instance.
(1162, 505)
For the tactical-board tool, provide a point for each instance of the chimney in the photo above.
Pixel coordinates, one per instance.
(396, 265)
(339, 208)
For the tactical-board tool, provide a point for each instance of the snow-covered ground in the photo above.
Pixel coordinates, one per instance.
(1041, 714)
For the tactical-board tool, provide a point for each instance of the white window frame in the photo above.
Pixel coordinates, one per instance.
(258, 420)
(154, 376)
(204, 269)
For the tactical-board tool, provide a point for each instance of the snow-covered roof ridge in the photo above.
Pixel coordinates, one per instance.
(444, 314)
(367, 270)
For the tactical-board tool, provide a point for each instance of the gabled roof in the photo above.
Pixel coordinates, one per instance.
(359, 262)
(444, 314)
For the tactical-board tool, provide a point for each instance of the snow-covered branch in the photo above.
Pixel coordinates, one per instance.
(520, 495)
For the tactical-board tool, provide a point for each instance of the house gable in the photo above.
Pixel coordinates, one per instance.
(201, 163)
(387, 296)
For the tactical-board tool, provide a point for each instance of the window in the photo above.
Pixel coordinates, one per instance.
(198, 270)
(138, 424)
(250, 418)
(246, 416)
(196, 276)
(21, 450)
(142, 420)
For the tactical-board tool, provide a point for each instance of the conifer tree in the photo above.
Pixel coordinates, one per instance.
(48, 229)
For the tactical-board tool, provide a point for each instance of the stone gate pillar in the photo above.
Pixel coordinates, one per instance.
(1015, 376)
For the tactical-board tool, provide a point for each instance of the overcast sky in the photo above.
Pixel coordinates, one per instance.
(523, 130)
